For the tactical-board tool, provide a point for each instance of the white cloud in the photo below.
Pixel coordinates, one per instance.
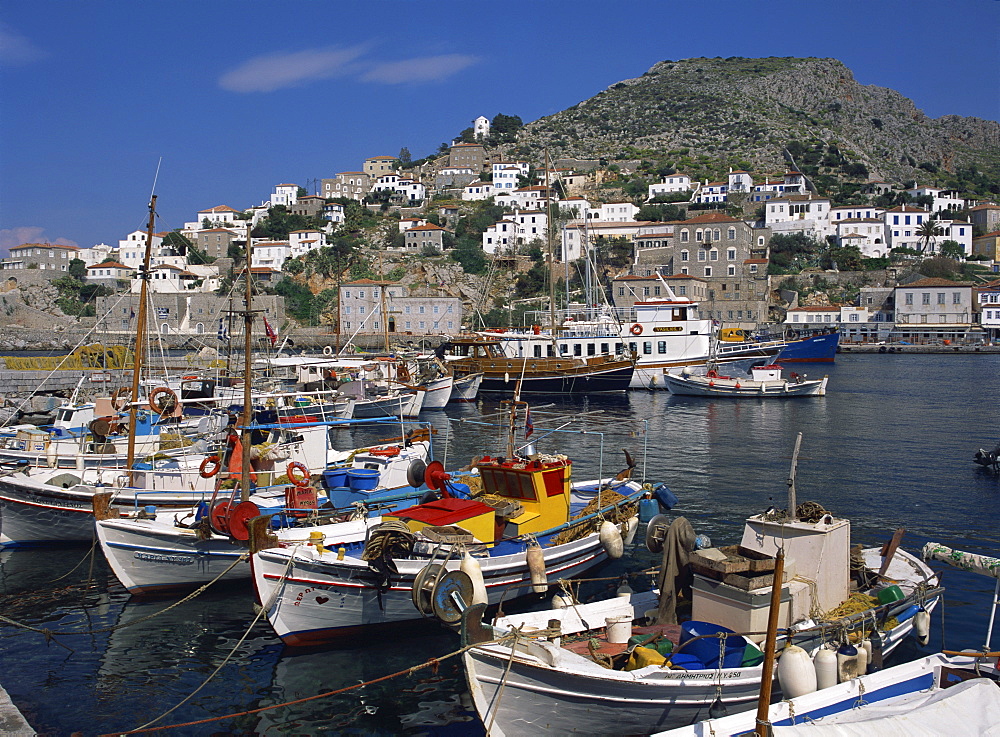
(11, 237)
(277, 71)
(16, 49)
(420, 69)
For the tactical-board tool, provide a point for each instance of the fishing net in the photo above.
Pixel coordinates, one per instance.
(605, 497)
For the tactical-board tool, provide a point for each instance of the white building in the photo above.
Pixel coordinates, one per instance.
(477, 191)
(481, 127)
(613, 212)
(285, 194)
(505, 174)
(901, 226)
(574, 235)
(799, 213)
(132, 248)
(989, 303)
(868, 234)
(303, 241)
(500, 237)
(270, 253)
(95, 254)
(406, 223)
(945, 200)
(669, 184)
(333, 212)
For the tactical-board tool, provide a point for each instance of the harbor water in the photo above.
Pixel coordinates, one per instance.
(890, 446)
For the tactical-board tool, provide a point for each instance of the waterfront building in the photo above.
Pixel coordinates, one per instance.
(184, 313)
(989, 305)
(361, 310)
(932, 310)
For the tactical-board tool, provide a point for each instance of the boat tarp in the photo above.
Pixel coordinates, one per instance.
(974, 562)
(974, 704)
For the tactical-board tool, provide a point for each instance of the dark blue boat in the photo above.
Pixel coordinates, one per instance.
(814, 349)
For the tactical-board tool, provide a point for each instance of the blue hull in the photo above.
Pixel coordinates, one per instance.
(816, 349)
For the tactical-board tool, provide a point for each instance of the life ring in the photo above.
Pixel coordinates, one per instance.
(390, 452)
(120, 398)
(294, 469)
(210, 466)
(328, 350)
(636, 329)
(168, 403)
(713, 374)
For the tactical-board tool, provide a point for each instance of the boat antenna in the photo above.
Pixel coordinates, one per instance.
(792, 506)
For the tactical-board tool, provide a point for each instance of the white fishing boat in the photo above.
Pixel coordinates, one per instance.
(517, 535)
(546, 684)
(437, 392)
(466, 388)
(928, 696)
(763, 382)
(154, 550)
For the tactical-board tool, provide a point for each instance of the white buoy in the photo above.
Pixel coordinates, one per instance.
(470, 567)
(625, 591)
(847, 663)
(562, 600)
(825, 665)
(50, 455)
(611, 539)
(630, 529)
(864, 656)
(922, 626)
(796, 673)
(536, 567)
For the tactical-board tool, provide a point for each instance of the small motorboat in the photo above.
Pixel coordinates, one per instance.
(989, 458)
(764, 381)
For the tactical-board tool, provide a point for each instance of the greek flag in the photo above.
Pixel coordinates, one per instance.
(223, 331)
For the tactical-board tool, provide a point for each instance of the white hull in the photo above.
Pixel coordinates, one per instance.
(438, 392)
(703, 386)
(548, 690)
(315, 598)
(466, 389)
(398, 405)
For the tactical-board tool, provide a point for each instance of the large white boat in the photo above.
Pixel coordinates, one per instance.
(665, 334)
(763, 382)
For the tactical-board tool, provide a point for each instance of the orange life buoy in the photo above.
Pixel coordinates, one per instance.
(636, 329)
(210, 466)
(713, 374)
(390, 452)
(169, 401)
(294, 469)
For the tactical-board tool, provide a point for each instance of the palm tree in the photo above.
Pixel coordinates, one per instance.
(928, 231)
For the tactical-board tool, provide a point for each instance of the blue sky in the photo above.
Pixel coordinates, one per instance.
(239, 96)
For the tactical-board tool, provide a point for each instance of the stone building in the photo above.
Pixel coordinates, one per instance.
(48, 257)
(362, 304)
(186, 314)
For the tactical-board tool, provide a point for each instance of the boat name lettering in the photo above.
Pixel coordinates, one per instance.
(671, 329)
(298, 599)
(691, 675)
(182, 560)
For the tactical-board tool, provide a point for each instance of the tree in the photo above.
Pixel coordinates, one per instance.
(938, 268)
(504, 128)
(952, 249)
(404, 156)
(928, 231)
(78, 269)
(469, 253)
(177, 241)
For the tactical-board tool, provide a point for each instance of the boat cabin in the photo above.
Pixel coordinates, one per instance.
(766, 373)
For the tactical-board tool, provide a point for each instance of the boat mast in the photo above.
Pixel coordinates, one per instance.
(247, 345)
(140, 333)
(548, 239)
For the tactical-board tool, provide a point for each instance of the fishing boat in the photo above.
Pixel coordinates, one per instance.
(518, 532)
(988, 458)
(673, 671)
(466, 388)
(926, 696)
(594, 374)
(153, 550)
(764, 381)
(665, 334)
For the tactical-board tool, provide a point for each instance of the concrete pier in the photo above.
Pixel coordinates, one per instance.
(12, 723)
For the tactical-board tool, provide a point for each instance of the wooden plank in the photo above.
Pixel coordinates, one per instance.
(889, 549)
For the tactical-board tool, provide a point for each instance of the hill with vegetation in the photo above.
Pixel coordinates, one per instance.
(703, 116)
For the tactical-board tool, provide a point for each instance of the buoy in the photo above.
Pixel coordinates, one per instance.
(536, 566)
(825, 665)
(471, 568)
(341, 552)
(316, 540)
(717, 710)
(562, 600)
(648, 508)
(611, 540)
(50, 455)
(631, 527)
(864, 656)
(624, 590)
(875, 661)
(796, 673)
(847, 663)
(922, 626)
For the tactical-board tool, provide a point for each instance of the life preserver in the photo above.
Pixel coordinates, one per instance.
(636, 329)
(390, 452)
(294, 469)
(327, 350)
(168, 404)
(210, 466)
(713, 374)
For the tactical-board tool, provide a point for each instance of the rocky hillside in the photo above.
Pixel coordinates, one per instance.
(704, 115)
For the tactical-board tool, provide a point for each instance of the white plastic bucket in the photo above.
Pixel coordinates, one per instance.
(619, 629)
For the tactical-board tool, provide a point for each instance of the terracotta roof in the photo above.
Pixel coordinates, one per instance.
(986, 206)
(907, 208)
(108, 265)
(226, 208)
(755, 261)
(994, 234)
(428, 226)
(818, 308)
(931, 282)
(45, 245)
(708, 217)
(381, 158)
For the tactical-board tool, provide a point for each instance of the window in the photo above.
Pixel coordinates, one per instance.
(661, 347)
(406, 310)
(925, 298)
(717, 234)
(713, 255)
(361, 294)
(699, 236)
(909, 299)
(420, 310)
(645, 291)
(537, 351)
(854, 317)
(731, 234)
(682, 291)
(621, 291)
(684, 255)
(731, 254)
(701, 255)
(685, 236)
(437, 309)
(347, 310)
(647, 348)
(708, 271)
(684, 269)
(577, 349)
(753, 268)
(731, 270)
(940, 298)
(956, 298)
(591, 349)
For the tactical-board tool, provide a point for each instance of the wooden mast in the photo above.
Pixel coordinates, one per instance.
(548, 240)
(140, 334)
